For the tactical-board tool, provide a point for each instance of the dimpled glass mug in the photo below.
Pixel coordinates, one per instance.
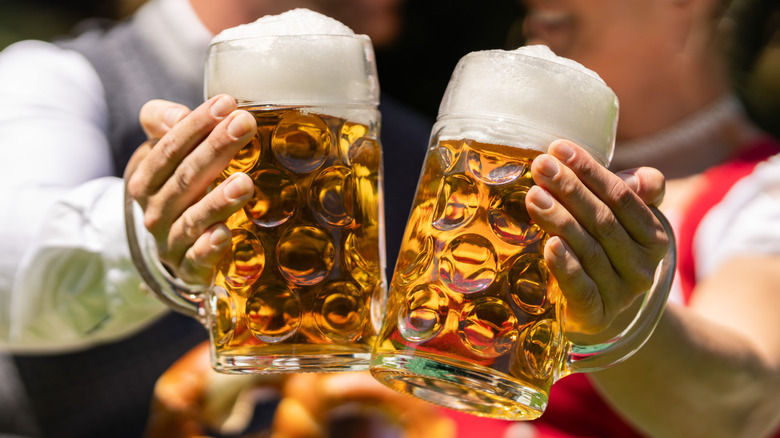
(303, 285)
(475, 320)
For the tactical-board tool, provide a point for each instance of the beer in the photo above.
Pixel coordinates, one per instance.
(296, 290)
(475, 318)
(303, 286)
(471, 287)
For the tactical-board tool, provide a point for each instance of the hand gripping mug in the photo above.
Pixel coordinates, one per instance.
(303, 285)
(475, 320)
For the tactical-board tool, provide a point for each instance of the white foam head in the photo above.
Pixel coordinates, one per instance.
(299, 57)
(545, 96)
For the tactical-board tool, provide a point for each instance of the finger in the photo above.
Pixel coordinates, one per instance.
(200, 168)
(619, 221)
(138, 156)
(158, 116)
(176, 144)
(594, 260)
(647, 182)
(219, 204)
(624, 210)
(200, 260)
(584, 306)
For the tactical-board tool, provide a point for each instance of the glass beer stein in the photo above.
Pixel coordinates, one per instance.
(475, 321)
(303, 285)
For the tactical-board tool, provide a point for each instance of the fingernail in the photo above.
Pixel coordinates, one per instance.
(222, 107)
(547, 166)
(631, 179)
(218, 237)
(540, 197)
(240, 125)
(562, 150)
(236, 188)
(172, 116)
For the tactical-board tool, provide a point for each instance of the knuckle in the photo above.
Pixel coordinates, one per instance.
(136, 187)
(595, 259)
(183, 179)
(168, 148)
(660, 244)
(190, 228)
(567, 189)
(621, 194)
(153, 220)
(606, 225)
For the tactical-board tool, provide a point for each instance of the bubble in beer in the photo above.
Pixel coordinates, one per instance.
(244, 263)
(274, 199)
(305, 255)
(414, 262)
(366, 158)
(361, 255)
(378, 305)
(542, 347)
(493, 168)
(448, 153)
(341, 311)
(423, 313)
(528, 283)
(273, 313)
(456, 203)
(509, 218)
(301, 142)
(487, 327)
(245, 159)
(351, 133)
(332, 196)
(468, 264)
(223, 308)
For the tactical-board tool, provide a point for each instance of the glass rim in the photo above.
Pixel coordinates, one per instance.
(357, 36)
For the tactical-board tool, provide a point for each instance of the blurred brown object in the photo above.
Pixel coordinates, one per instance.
(192, 400)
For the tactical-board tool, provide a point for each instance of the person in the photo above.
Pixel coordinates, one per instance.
(598, 219)
(83, 342)
(712, 366)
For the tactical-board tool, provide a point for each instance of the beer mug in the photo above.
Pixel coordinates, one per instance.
(475, 320)
(303, 285)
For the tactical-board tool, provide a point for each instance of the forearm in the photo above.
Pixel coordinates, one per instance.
(73, 284)
(695, 377)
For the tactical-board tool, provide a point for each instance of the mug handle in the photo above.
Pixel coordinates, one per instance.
(181, 297)
(588, 358)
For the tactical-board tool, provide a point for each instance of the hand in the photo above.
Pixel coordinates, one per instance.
(169, 177)
(605, 243)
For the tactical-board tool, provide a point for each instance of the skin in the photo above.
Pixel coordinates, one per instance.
(711, 368)
(604, 247)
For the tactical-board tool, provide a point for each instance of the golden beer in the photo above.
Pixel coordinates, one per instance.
(471, 288)
(302, 287)
(295, 292)
(475, 319)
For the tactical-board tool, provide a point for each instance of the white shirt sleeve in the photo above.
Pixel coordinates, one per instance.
(745, 222)
(66, 280)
